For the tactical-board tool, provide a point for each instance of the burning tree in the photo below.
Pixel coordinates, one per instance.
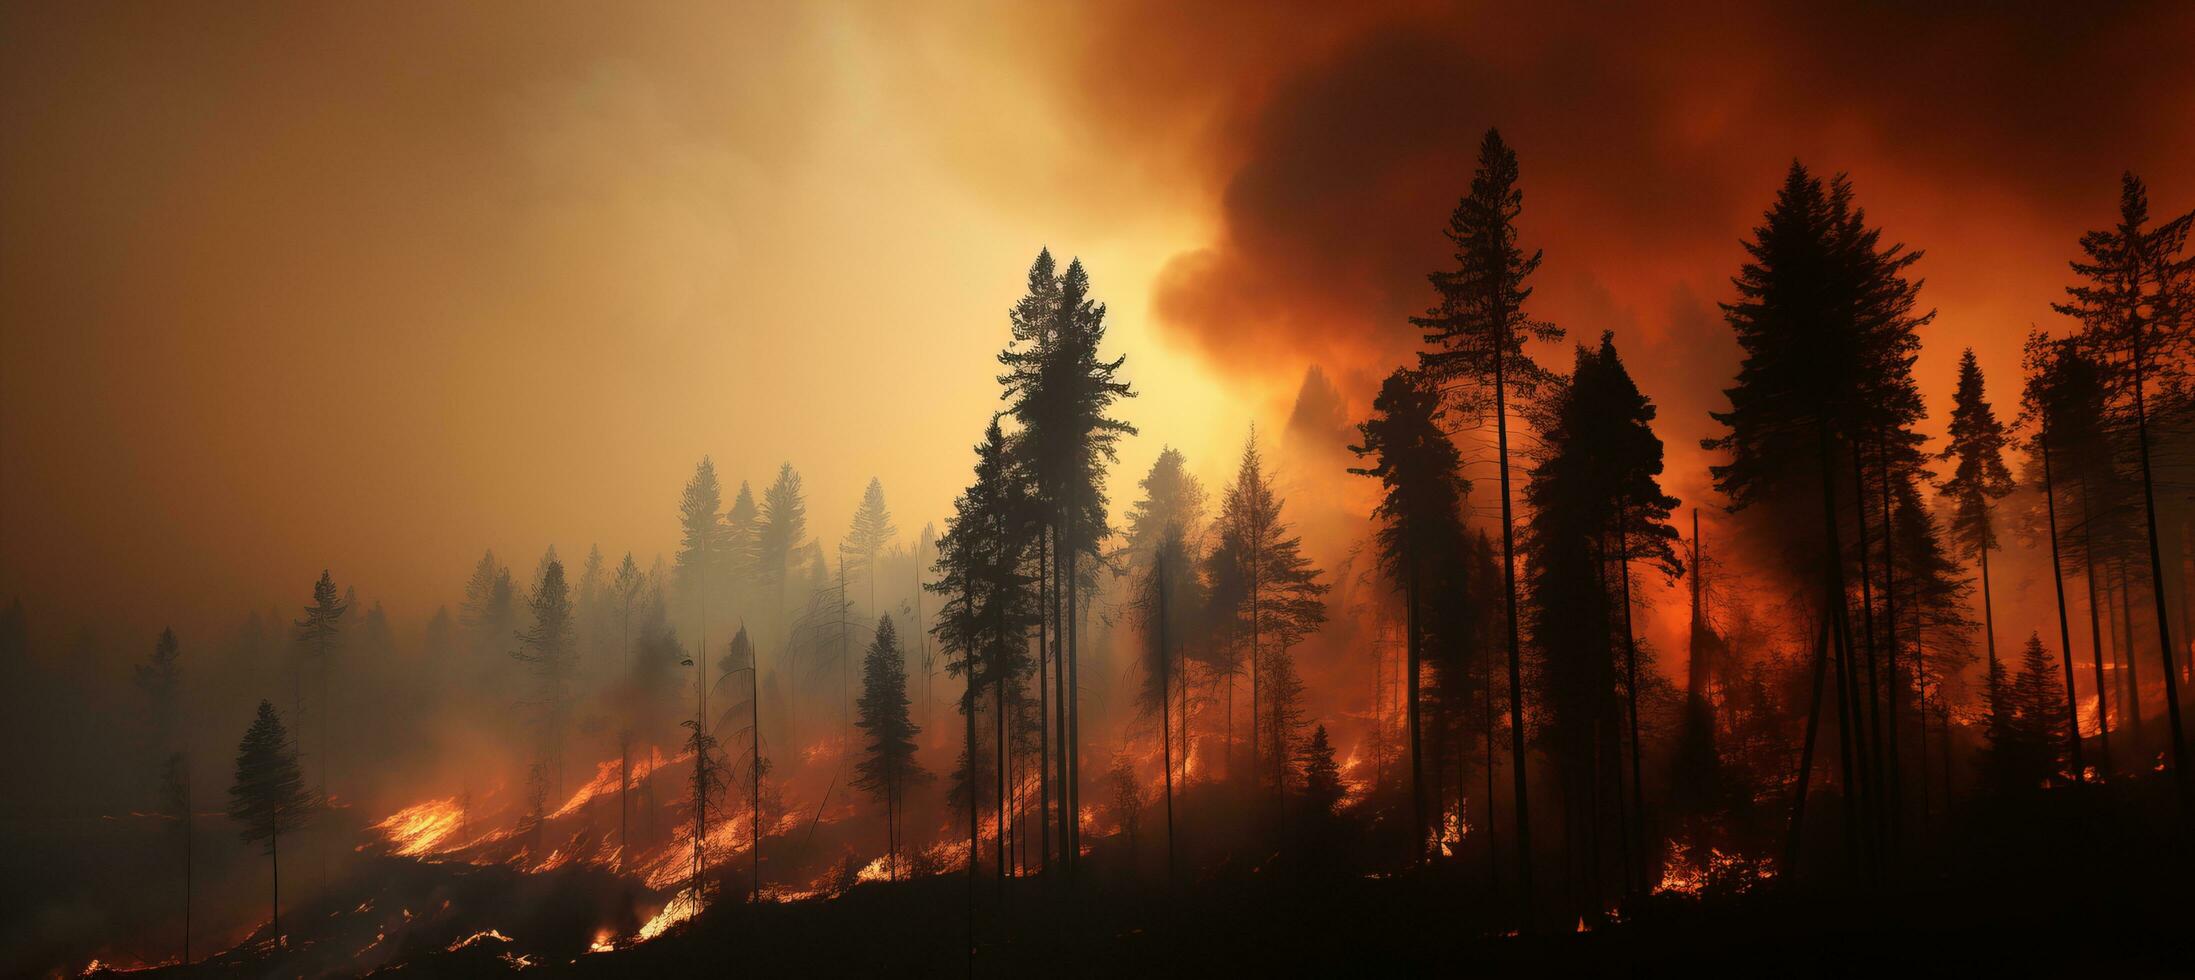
(269, 797)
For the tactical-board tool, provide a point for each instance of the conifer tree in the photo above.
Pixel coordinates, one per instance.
(1166, 599)
(1421, 531)
(1477, 333)
(888, 764)
(489, 608)
(2137, 299)
(546, 649)
(1979, 477)
(701, 548)
(2042, 403)
(319, 632)
(1281, 599)
(269, 797)
(781, 533)
(1061, 390)
(983, 575)
(872, 530)
(742, 528)
(1827, 322)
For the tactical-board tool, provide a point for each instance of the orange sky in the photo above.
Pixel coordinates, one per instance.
(375, 287)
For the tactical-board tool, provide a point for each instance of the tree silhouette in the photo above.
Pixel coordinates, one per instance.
(872, 529)
(1421, 531)
(1826, 320)
(2041, 403)
(269, 797)
(888, 764)
(1061, 390)
(319, 632)
(780, 532)
(700, 564)
(2137, 298)
(1478, 333)
(545, 648)
(982, 573)
(1280, 602)
(1977, 446)
(1166, 599)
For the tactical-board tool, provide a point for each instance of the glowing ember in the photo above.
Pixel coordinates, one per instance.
(483, 935)
(603, 942)
(1684, 875)
(681, 908)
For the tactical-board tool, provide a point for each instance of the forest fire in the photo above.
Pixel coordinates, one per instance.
(867, 489)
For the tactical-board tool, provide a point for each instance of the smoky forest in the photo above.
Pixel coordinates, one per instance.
(1156, 616)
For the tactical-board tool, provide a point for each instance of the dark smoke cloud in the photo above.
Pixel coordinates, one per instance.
(1336, 142)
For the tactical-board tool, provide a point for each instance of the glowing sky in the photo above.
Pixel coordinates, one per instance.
(377, 286)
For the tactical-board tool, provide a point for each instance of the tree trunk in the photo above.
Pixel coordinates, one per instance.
(1413, 653)
(2180, 775)
(1894, 796)
(1631, 693)
(2065, 632)
(1044, 719)
(1516, 670)
(2095, 637)
(1873, 760)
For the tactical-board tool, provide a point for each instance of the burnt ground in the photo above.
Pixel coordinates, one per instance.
(2090, 889)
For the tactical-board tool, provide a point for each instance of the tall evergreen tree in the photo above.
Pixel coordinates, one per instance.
(1421, 530)
(700, 566)
(1827, 322)
(871, 531)
(1061, 390)
(887, 766)
(269, 797)
(2042, 403)
(989, 605)
(319, 633)
(781, 532)
(2137, 298)
(1477, 333)
(1979, 477)
(546, 649)
(1166, 599)
(489, 608)
(1282, 599)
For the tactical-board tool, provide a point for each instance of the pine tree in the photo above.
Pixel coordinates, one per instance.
(269, 797)
(872, 530)
(989, 605)
(318, 634)
(1322, 787)
(2138, 298)
(1060, 390)
(1827, 322)
(701, 548)
(1166, 599)
(888, 764)
(2042, 404)
(160, 677)
(489, 610)
(1597, 504)
(1977, 446)
(1172, 497)
(781, 532)
(1478, 333)
(1421, 531)
(742, 550)
(546, 650)
(1281, 602)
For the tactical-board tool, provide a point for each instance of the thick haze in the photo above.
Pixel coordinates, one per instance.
(376, 287)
